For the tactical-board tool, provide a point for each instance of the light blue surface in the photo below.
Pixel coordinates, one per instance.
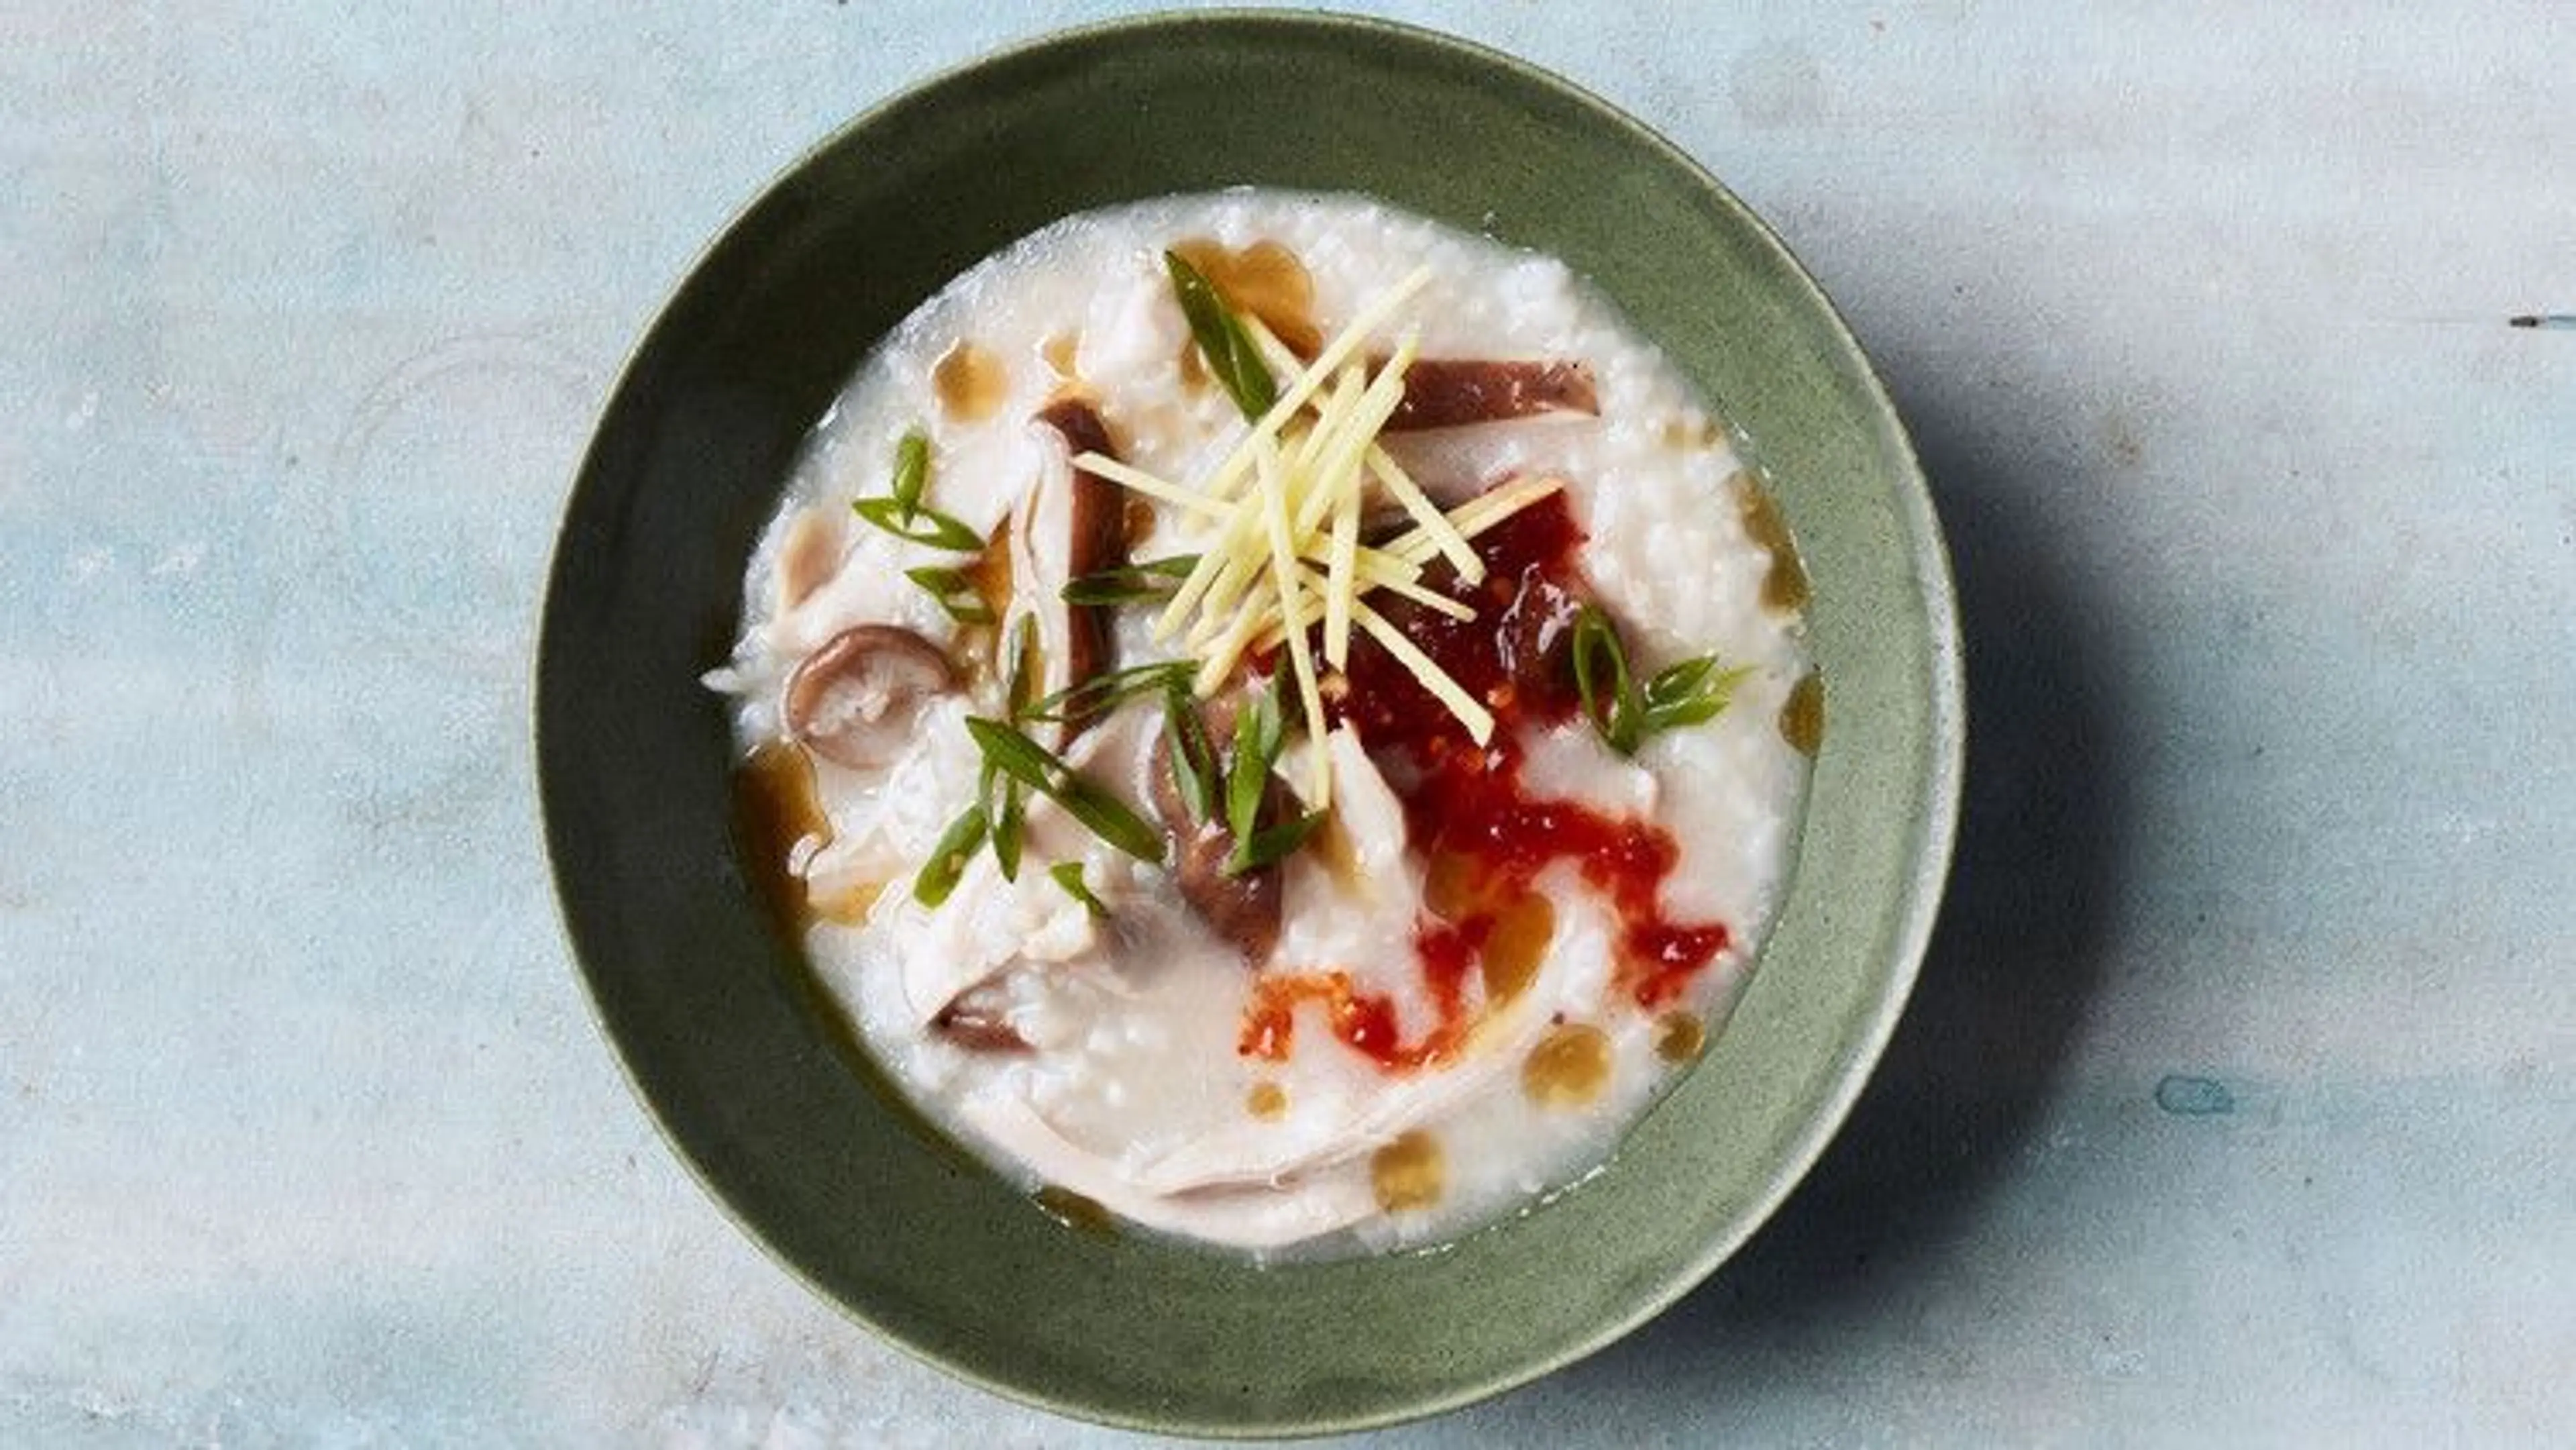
(2239, 1100)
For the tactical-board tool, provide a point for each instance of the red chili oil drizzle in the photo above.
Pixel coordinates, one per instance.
(1364, 1021)
(1466, 801)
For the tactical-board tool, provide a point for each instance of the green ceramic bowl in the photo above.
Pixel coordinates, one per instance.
(708, 1007)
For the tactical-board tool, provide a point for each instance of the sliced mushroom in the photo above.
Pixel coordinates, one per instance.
(1454, 392)
(1242, 908)
(853, 701)
(977, 1021)
(1066, 534)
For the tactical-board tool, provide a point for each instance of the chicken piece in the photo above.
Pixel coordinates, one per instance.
(1264, 1217)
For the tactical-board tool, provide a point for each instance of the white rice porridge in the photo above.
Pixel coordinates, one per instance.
(1433, 979)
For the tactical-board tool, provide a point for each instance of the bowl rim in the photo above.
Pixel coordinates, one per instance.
(1937, 807)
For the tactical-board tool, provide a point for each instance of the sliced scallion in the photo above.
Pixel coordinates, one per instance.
(920, 524)
(911, 471)
(1146, 583)
(1068, 874)
(957, 845)
(1233, 358)
(1689, 693)
(1105, 691)
(1272, 844)
(1256, 745)
(1194, 763)
(955, 593)
(1602, 679)
(1033, 765)
(1683, 694)
(1010, 827)
(1020, 682)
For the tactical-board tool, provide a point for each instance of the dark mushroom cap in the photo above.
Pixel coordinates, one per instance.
(979, 1022)
(1243, 909)
(1454, 392)
(854, 700)
(1098, 522)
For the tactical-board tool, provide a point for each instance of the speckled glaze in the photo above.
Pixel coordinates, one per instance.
(707, 1005)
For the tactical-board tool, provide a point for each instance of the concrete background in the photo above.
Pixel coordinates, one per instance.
(2237, 1103)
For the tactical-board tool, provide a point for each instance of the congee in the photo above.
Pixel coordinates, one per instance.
(1276, 720)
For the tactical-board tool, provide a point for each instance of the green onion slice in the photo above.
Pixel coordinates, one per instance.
(1131, 584)
(1010, 828)
(1256, 746)
(1267, 847)
(957, 845)
(911, 471)
(1689, 693)
(1022, 680)
(1068, 874)
(1602, 679)
(1232, 358)
(1106, 691)
(954, 592)
(918, 525)
(1194, 763)
(1684, 694)
(1031, 764)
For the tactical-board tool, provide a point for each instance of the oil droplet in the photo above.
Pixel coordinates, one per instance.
(1341, 857)
(1679, 1036)
(971, 383)
(1449, 882)
(1802, 715)
(808, 556)
(851, 907)
(1265, 280)
(990, 572)
(775, 806)
(1570, 1067)
(1268, 1101)
(1082, 1215)
(1515, 947)
(1409, 1173)
(1784, 588)
(1683, 434)
(1060, 351)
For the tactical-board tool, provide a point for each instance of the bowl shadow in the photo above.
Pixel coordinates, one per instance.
(2014, 959)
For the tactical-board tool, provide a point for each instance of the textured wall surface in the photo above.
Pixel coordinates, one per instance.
(2239, 1098)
